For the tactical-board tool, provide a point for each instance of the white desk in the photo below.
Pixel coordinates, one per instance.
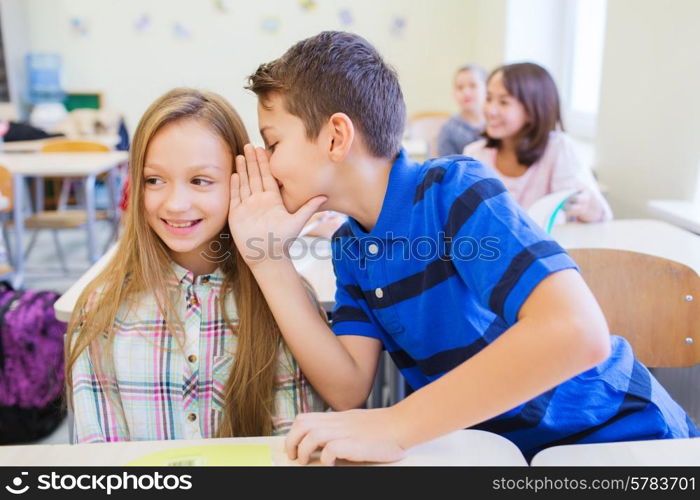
(35, 146)
(311, 257)
(685, 214)
(467, 447)
(646, 236)
(661, 452)
(86, 166)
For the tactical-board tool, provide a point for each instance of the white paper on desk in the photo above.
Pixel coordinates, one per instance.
(546, 209)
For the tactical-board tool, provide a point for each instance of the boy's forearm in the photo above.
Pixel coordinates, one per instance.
(524, 362)
(324, 360)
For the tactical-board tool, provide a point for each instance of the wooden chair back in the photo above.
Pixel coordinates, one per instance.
(426, 126)
(652, 302)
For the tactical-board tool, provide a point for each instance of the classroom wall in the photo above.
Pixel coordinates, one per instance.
(489, 32)
(648, 141)
(133, 68)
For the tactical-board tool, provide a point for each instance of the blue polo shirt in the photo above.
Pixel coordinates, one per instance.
(444, 273)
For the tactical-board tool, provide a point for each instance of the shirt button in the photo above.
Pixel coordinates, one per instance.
(192, 358)
(373, 249)
(379, 293)
(205, 279)
(193, 301)
(191, 417)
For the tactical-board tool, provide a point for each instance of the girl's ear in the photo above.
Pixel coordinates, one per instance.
(342, 135)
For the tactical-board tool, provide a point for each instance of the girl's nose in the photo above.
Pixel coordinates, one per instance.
(178, 199)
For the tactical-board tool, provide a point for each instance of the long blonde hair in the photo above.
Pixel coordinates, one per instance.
(141, 264)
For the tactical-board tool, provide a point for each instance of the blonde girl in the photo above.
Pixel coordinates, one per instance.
(174, 339)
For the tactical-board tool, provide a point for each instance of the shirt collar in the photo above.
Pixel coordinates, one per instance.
(184, 277)
(400, 191)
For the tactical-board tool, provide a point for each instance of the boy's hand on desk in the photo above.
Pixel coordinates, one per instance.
(259, 222)
(356, 435)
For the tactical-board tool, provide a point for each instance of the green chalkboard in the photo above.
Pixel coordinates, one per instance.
(82, 100)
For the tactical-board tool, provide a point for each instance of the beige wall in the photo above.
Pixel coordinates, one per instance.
(648, 141)
(489, 32)
(132, 70)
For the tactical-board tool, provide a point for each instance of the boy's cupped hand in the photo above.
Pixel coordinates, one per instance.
(260, 224)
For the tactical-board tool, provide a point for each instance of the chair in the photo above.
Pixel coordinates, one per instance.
(71, 146)
(652, 302)
(62, 217)
(425, 126)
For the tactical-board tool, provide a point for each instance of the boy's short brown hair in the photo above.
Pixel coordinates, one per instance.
(334, 72)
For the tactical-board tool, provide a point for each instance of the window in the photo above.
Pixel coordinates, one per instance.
(567, 38)
(583, 73)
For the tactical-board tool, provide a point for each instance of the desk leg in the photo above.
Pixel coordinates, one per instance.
(18, 187)
(39, 194)
(90, 208)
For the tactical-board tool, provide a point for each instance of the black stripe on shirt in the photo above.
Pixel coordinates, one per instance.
(355, 292)
(433, 175)
(440, 362)
(529, 416)
(517, 268)
(444, 361)
(467, 203)
(347, 313)
(342, 232)
(636, 399)
(411, 286)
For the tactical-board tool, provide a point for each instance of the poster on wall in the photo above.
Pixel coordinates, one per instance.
(79, 26)
(222, 6)
(270, 24)
(398, 26)
(182, 31)
(142, 24)
(346, 19)
(307, 5)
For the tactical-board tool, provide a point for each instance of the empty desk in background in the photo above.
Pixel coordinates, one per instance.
(35, 146)
(685, 214)
(85, 166)
(647, 236)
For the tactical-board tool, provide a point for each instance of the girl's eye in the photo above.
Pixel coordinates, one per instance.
(272, 147)
(153, 180)
(201, 182)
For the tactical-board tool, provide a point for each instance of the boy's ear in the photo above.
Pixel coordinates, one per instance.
(342, 134)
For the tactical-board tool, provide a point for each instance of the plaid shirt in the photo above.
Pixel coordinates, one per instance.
(158, 392)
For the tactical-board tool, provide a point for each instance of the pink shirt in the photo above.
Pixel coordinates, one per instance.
(558, 169)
